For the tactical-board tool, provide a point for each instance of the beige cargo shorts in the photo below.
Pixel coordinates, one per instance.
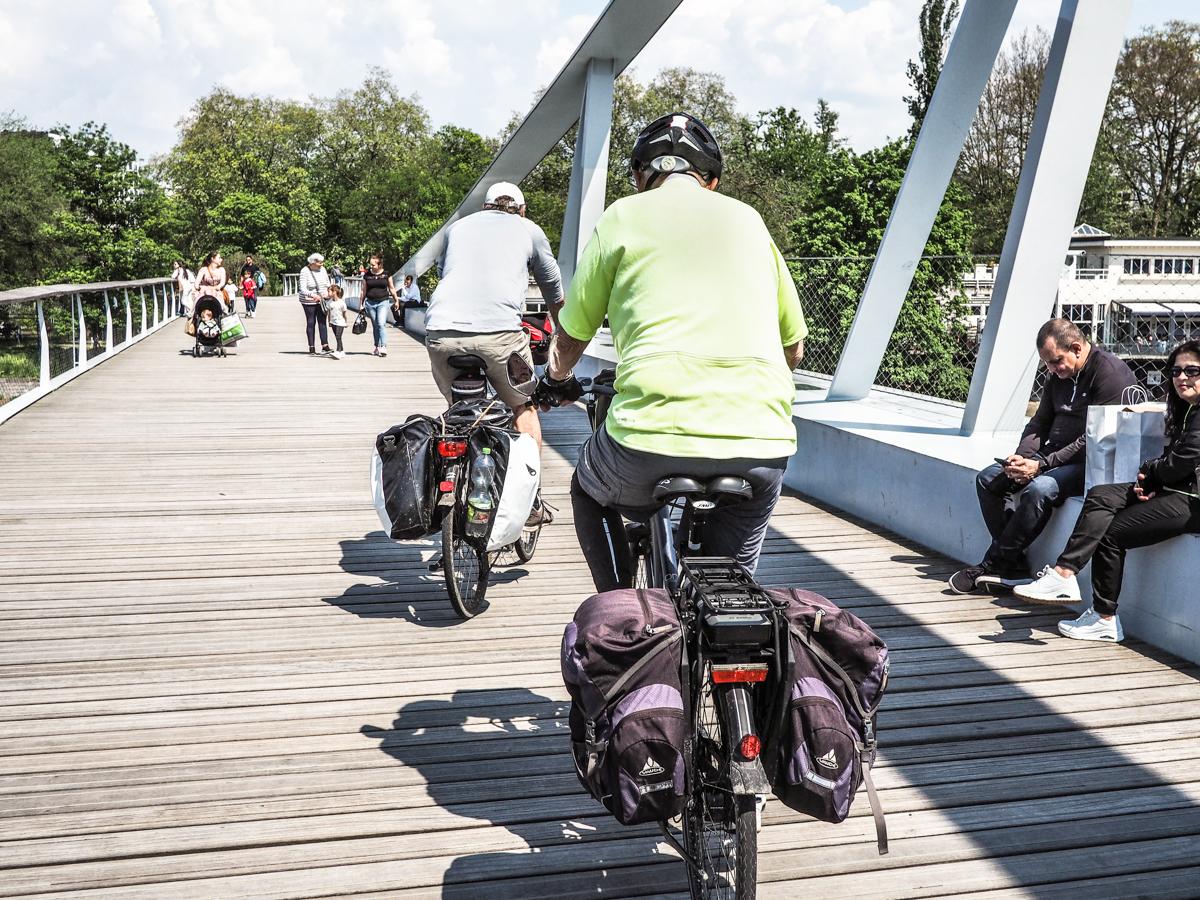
(509, 361)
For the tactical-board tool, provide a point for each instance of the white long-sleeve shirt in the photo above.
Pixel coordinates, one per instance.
(484, 271)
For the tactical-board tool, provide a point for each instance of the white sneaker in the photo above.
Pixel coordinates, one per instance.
(383, 351)
(1091, 627)
(338, 354)
(1051, 588)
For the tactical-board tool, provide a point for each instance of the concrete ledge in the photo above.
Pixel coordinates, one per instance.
(901, 463)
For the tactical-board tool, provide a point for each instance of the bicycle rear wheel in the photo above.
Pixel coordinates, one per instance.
(719, 828)
(466, 568)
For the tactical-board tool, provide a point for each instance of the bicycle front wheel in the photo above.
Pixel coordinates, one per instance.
(466, 568)
(720, 830)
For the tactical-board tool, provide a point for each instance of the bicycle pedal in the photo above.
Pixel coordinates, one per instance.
(435, 564)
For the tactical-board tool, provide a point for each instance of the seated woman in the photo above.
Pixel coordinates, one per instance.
(1162, 503)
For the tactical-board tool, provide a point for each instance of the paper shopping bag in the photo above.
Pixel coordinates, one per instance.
(232, 329)
(1140, 436)
(1101, 448)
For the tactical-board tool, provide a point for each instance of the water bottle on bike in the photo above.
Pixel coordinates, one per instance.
(480, 502)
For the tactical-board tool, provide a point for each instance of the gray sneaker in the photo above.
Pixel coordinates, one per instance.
(964, 581)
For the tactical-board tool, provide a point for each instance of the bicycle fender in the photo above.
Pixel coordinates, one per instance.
(747, 777)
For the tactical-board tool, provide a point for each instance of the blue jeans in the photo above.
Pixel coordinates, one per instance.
(1012, 534)
(378, 311)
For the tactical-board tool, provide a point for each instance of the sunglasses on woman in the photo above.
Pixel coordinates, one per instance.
(1189, 371)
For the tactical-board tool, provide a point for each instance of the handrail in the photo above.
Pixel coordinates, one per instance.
(57, 326)
(45, 291)
(351, 284)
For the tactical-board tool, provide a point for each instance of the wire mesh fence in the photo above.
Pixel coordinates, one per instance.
(933, 348)
(1139, 308)
(19, 350)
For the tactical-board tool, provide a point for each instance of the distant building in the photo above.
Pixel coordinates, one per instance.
(1138, 297)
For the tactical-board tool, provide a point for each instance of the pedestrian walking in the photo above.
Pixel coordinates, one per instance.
(314, 288)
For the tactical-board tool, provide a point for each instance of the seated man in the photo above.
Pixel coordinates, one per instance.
(1047, 466)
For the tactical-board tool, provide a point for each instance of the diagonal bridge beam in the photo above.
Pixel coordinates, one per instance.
(617, 36)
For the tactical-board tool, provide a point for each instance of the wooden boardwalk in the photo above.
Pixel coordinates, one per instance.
(218, 679)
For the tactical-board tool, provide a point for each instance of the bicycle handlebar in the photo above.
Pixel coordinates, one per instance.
(590, 386)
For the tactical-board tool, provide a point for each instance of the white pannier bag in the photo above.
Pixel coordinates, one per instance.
(521, 474)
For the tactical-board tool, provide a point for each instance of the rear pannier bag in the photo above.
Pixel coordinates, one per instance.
(402, 479)
(621, 658)
(518, 475)
(828, 741)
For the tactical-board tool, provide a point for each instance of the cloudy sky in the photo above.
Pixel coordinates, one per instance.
(138, 65)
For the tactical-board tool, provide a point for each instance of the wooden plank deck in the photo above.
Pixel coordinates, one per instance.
(218, 679)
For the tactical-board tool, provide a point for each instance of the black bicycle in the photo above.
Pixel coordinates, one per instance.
(465, 559)
(738, 661)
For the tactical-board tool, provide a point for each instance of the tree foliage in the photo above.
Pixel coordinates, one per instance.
(934, 24)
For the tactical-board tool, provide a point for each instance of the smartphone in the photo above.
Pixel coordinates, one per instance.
(1003, 462)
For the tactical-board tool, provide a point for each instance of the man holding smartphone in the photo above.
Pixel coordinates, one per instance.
(1047, 466)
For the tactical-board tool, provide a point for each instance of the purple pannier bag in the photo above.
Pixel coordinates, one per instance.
(621, 665)
(828, 742)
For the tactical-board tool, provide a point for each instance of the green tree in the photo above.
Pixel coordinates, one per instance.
(1152, 130)
(843, 226)
(936, 19)
(29, 197)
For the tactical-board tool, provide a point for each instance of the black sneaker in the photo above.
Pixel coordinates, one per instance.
(1007, 580)
(964, 581)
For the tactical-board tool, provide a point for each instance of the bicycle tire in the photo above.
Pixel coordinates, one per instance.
(720, 828)
(466, 568)
(527, 543)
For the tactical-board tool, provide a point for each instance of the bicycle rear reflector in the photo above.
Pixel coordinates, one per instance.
(738, 674)
(451, 449)
(750, 747)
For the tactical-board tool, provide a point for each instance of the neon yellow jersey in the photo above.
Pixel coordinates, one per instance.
(701, 306)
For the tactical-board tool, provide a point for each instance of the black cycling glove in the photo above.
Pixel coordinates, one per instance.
(552, 392)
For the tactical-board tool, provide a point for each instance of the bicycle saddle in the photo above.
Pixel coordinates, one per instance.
(465, 361)
(719, 489)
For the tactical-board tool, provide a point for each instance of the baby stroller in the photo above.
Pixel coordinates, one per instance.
(207, 330)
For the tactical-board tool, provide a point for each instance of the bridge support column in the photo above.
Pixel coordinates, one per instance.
(1083, 57)
(589, 168)
(81, 356)
(969, 63)
(44, 347)
(107, 324)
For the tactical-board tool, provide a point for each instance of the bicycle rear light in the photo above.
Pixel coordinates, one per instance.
(738, 674)
(750, 747)
(446, 486)
(451, 448)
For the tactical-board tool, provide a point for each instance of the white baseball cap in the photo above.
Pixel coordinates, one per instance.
(504, 189)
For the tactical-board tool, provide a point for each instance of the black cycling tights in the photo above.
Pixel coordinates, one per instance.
(609, 567)
(314, 319)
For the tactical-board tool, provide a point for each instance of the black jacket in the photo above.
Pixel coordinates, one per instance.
(1056, 433)
(1179, 466)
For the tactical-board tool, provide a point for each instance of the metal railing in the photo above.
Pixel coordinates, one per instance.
(51, 334)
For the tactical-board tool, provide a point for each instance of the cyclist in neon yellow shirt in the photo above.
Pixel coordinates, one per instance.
(704, 381)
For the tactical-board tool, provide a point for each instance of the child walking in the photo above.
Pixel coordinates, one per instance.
(249, 294)
(335, 309)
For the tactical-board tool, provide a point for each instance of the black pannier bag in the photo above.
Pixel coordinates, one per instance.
(621, 659)
(402, 479)
(828, 742)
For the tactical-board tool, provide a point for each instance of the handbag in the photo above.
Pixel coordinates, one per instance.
(360, 323)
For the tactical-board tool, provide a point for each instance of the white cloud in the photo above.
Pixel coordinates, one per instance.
(143, 63)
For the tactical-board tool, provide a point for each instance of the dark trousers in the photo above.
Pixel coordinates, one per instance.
(1113, 520)
(1013, 533)
(337, 334)
(610, 475)
(315, 320)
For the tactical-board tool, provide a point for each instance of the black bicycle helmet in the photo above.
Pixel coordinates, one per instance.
(676, 142)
